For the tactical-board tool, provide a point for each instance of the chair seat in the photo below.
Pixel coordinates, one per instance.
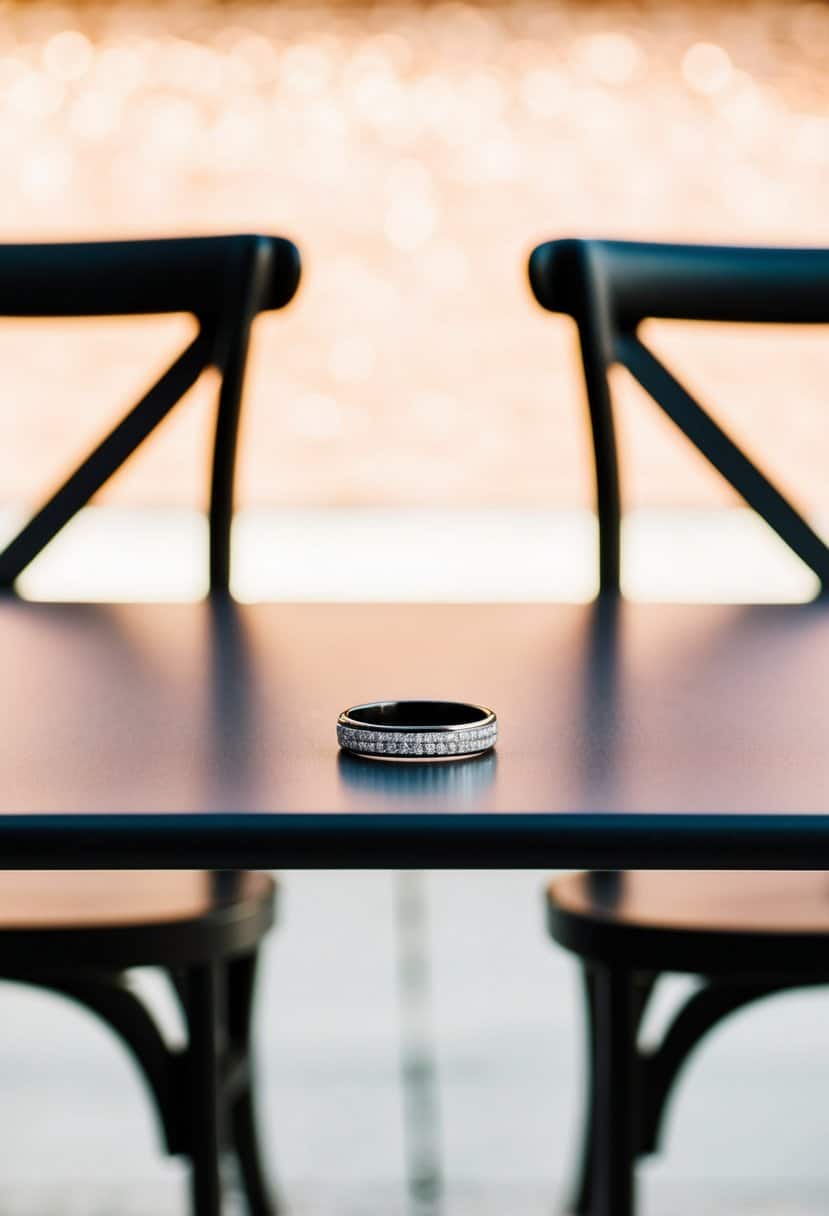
(54, 918)
(717, 922)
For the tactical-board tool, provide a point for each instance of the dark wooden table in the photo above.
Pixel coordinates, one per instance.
(203, 735)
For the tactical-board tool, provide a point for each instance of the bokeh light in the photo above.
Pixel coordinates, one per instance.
(416, 152)
(707, 67)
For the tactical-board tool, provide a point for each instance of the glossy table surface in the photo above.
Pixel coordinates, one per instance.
(203, 735)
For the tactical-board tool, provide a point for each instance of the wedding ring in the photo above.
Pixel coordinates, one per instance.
(421, 730)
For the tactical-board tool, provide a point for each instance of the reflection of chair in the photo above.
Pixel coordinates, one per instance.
(747, 935)
(78, 933)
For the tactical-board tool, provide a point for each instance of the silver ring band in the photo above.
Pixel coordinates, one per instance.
(417, 729)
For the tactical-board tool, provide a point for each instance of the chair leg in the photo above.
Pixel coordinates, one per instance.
(581, 1196)
(241, 978)
(615, 1123)
(243, 1125)
(204, 1006)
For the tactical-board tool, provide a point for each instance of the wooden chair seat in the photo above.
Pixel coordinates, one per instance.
(718, 922)
(77, 934)
(749, 934)
(130, 918)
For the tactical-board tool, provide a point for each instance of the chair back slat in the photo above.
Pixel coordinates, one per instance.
(103, 461)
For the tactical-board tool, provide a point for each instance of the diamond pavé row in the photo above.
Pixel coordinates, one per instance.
(417, 743)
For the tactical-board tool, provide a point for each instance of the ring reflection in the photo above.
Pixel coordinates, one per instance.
(452, 780)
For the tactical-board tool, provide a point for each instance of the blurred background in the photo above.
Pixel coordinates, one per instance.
(414, 427)
(416, 152)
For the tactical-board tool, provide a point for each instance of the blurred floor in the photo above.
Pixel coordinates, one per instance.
(745, 1136)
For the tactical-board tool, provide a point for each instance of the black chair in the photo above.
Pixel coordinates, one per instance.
(79, 933)
(747, 935)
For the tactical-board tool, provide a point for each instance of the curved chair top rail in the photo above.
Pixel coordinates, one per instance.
(113, 278)
(683, 282)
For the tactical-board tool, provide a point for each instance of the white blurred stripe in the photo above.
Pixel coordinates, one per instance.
(416, 554)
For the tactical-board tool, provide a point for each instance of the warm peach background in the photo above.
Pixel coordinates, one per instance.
(415, 153)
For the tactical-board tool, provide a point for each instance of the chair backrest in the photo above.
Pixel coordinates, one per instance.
(224, 281)
(610, 287)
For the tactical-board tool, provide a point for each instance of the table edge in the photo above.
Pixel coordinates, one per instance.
(417, 840)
